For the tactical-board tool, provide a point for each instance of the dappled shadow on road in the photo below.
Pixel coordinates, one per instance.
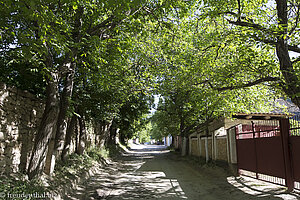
(197, 182)
(143, 173)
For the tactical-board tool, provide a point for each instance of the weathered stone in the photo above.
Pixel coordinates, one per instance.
(1, 136)
(20, 117)
(20, 114)
(3, 96)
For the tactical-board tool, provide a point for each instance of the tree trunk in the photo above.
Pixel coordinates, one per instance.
(67, 70)
(184, 144)
(64, 106)
(111, 139)
(105, 131)
(69, 134)
(76, 134)
(58, 144)
(292, 87)
(46, 128)
(82, 135)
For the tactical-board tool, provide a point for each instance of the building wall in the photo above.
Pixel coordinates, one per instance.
(221, 149)
(20, 115)
(202, 141)
(195, 151)
(209, 142)
(203, 148)
(221, 144)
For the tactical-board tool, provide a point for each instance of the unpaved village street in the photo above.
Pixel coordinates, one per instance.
(152, 172)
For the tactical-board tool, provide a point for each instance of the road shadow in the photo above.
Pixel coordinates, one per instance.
(144, 173)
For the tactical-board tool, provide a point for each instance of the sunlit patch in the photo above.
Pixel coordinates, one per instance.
(136, 176)
(142, 185)
(260, 188)
(148, 149)
(152, 152)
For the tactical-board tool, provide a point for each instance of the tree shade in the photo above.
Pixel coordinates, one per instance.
(104, 60)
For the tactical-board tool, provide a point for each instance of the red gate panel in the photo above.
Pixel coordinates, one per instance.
(260, 151)
(270, 160)
(246, 154)
(295, 153)
(271, 150)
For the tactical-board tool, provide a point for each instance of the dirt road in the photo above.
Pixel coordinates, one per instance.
(151, 172)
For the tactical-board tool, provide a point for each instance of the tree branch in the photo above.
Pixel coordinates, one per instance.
(252, 25)
(297, 20)
(239, 3)
(106, 23)
(296, 60)
(249, 84)
(293, 48)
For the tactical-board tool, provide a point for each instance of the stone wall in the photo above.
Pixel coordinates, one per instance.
(20, 114)
(221, 149)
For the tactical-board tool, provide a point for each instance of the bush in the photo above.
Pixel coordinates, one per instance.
(98, 154)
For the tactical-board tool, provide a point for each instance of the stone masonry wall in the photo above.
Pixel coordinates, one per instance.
(20, 114)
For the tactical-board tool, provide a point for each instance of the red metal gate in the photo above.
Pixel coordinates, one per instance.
(269, 150)
(294, 141)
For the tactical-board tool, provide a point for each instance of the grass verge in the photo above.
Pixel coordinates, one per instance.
(66, 175)
(18, 187)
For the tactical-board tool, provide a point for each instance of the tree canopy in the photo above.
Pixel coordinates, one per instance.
(105, 60)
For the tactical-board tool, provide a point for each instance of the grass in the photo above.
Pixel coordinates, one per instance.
(74, 167)
(19, 188)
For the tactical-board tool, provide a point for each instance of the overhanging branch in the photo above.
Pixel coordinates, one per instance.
(252, 25)
(249, 84)
(297, 60)
(293, 48)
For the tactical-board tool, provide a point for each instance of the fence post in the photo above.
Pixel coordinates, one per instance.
(236, 135)
(284, 134)
(255, 149)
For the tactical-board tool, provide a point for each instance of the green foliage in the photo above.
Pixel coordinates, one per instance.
(205, 72)
(75, 165)
(259, 29)
(158, 131)
(100, 40)
(124, 52)
(23, 76)
(131, 116)
(98, 154)
(164, 122)
(21, 186)
(144, 134)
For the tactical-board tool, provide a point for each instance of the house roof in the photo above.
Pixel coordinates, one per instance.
(281, 105)
(260, 116)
